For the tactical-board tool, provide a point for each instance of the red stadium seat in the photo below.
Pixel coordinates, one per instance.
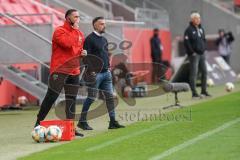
(7, 7)
(2, 21)
(29, 9)
(8, 22)
(26, 7)
(237, 3)
(2, 10)
(19, 10)
(45, 19)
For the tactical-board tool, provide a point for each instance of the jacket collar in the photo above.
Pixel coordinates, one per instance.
(98, 34)
(191, 24)
(67, 26)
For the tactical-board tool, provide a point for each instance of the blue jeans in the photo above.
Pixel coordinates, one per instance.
(103, 84)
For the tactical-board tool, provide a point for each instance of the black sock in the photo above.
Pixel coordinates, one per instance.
(37, 123)
(112, 119)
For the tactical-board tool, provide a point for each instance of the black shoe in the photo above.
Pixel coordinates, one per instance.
(84, 126)
(196, 96)
(78, 134)
(206, 94)
(115, 125)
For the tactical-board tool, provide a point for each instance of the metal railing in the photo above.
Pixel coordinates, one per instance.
(23, 52)
(31, 84)
(217, 5)
(22, 25)
(150, 12)
(131, 3)
(152, 17)
(86, 19)
(51, 10)
(105, 5)
(84, 16)
(227, 4)
(19, 18)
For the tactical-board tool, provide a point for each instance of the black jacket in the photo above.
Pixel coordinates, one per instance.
(97, 49)
(156, 52)
(194, 40)
(229, 36)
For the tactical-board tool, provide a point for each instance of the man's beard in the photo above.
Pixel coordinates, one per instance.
(103, 31)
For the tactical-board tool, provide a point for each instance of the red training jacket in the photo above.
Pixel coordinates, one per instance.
(67, 45)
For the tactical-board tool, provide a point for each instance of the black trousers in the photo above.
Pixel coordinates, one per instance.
(58, 81)
(156, 69)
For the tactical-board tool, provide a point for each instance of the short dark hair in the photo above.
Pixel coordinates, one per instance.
(96, 19)
(155, 30)
(69, 12)
(221, 30)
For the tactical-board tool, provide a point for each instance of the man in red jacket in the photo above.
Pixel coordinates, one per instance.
(67, 49)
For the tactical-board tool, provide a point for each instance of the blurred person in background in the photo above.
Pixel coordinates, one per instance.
(224, 42)
(156, 54)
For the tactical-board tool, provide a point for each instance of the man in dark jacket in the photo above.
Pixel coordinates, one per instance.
(96, 46)
(195, 45)
(156, 54)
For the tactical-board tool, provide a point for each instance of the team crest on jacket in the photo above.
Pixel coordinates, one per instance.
(55, 77)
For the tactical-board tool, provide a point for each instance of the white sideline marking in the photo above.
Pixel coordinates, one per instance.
(194, 140)
(119, 139)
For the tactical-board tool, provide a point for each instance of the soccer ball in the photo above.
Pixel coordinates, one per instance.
(229, 86)
(53, 134)
(38, 134)
(210, 82)
(22, 100)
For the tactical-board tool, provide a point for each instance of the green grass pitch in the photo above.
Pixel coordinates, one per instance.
(207, 130)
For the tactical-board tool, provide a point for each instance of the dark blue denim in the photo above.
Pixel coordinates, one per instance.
(103, 84)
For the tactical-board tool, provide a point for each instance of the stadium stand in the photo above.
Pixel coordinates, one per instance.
(25, 11)
(36, 20)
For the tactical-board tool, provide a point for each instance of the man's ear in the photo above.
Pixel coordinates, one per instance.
(94, 26)
(70, 21)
